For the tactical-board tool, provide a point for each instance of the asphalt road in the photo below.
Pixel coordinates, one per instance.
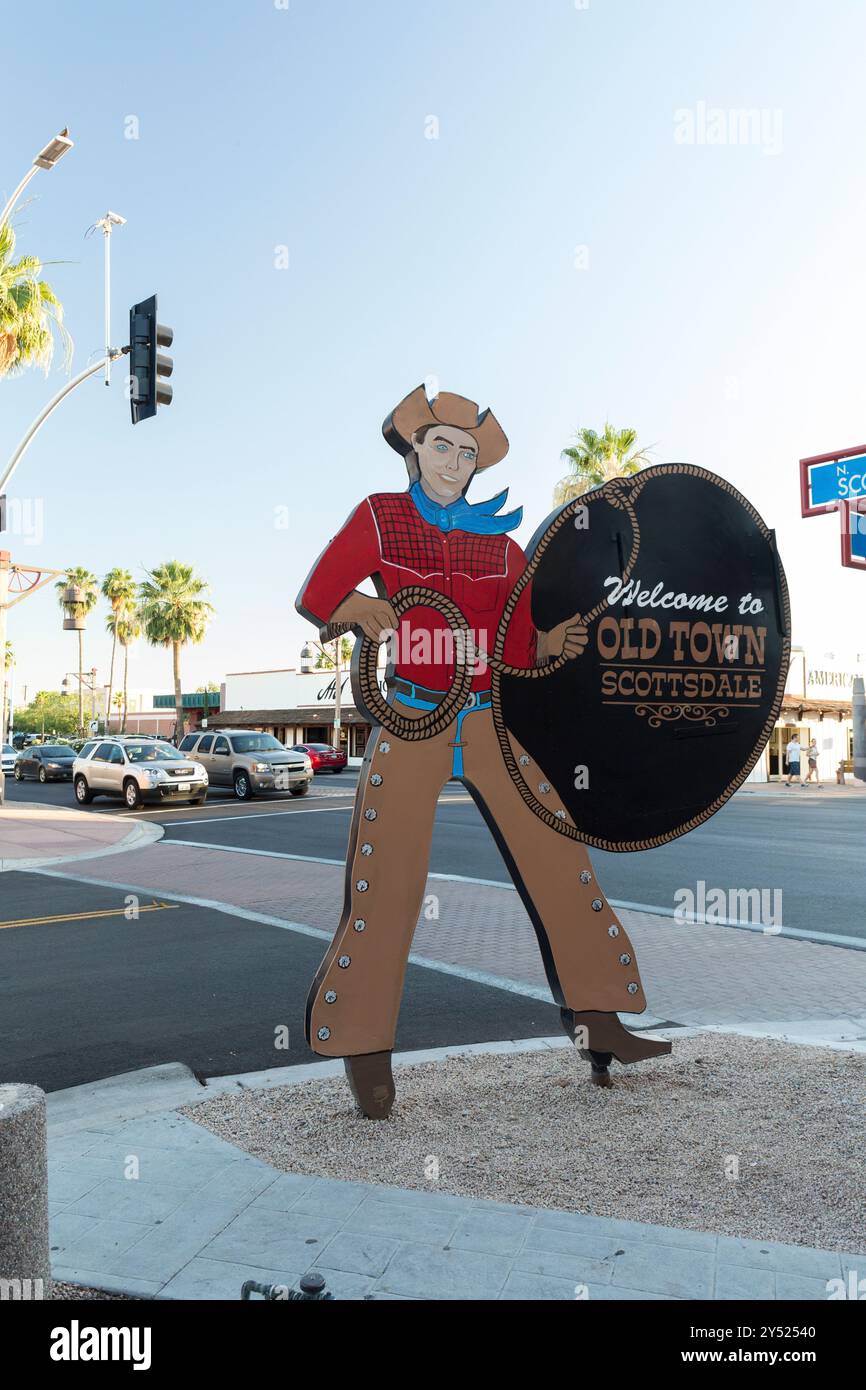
(807, 847)
(92, 993)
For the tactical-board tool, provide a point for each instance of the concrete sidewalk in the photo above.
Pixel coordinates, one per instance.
(155, 1205)
(34, 835)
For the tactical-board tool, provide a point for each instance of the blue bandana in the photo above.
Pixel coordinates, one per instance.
(480, 519)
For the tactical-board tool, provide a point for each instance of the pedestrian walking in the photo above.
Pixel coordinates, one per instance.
(812, 756)
(792, 759)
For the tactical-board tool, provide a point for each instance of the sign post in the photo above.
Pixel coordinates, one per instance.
(837, 483)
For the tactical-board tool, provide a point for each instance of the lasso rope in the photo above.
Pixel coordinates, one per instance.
(466, 654)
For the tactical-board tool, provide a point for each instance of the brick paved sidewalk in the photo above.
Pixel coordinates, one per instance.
(693, 974)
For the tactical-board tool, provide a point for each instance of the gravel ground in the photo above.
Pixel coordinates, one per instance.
(529, 1128)
(79, 1291)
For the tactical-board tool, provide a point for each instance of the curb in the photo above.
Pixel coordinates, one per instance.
(171, 1085)
(142, 833)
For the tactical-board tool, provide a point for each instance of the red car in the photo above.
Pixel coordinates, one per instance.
(323, 757)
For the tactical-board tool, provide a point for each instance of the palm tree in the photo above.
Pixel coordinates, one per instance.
(173, 612)
(127, 629)
(119, 588)
(596, 458)
(89, 585)
(325, 661)
(30, 312)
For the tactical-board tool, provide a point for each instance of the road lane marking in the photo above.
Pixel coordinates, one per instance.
(824, 938)
(540, 992)
(85, 916)
(301, 811)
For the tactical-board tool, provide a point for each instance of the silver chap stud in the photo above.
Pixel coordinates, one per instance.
(323, 1034)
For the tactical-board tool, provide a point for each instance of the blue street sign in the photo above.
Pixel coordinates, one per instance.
(837, 481)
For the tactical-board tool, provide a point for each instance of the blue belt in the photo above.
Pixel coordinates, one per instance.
(479, 699)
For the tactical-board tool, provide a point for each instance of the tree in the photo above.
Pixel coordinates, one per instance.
(89, 585)
(128, 630)
(30, 312)
(49, 709)
(119, 588)
(596, 458)
(173, 613)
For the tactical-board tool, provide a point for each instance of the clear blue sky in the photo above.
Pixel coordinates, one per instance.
(719, 314)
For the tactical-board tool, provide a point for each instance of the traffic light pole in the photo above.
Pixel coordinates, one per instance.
(64, 391)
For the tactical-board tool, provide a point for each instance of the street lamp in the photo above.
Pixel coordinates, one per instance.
(47, 157)
(307, 655)
(85, 682)
(74, 621)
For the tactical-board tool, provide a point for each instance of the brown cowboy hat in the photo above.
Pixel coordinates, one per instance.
(415, 410)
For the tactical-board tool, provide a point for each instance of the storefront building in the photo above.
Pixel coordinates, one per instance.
(299, 707)
(295, 706)
(816, 705)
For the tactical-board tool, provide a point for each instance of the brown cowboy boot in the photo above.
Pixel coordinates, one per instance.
(371, 1083)
(610, 1038)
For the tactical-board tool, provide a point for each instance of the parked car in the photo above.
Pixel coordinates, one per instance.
(323, 756)
(7, 757)
(250, 762)
(47, 762)
(138, 770)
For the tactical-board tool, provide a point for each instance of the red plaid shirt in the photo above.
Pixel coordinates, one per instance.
(386, 536)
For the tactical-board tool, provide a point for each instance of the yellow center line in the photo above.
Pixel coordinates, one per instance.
(86, 916)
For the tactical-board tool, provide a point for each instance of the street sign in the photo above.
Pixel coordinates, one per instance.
(828, 479)
(854, 534)
(93, 726)
(837, 483)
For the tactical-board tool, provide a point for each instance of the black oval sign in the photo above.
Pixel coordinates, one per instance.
(649, 731)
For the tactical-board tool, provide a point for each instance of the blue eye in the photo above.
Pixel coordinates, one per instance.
(468, 455)
(442, 448)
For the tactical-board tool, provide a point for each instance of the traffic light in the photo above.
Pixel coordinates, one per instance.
(148, 367)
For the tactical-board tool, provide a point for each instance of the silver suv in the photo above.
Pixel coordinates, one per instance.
(138, 769)
(248, 761)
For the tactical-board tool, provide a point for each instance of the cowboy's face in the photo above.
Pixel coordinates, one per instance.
(447, 458)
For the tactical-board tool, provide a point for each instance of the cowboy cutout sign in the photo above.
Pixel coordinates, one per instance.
(647, 629)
